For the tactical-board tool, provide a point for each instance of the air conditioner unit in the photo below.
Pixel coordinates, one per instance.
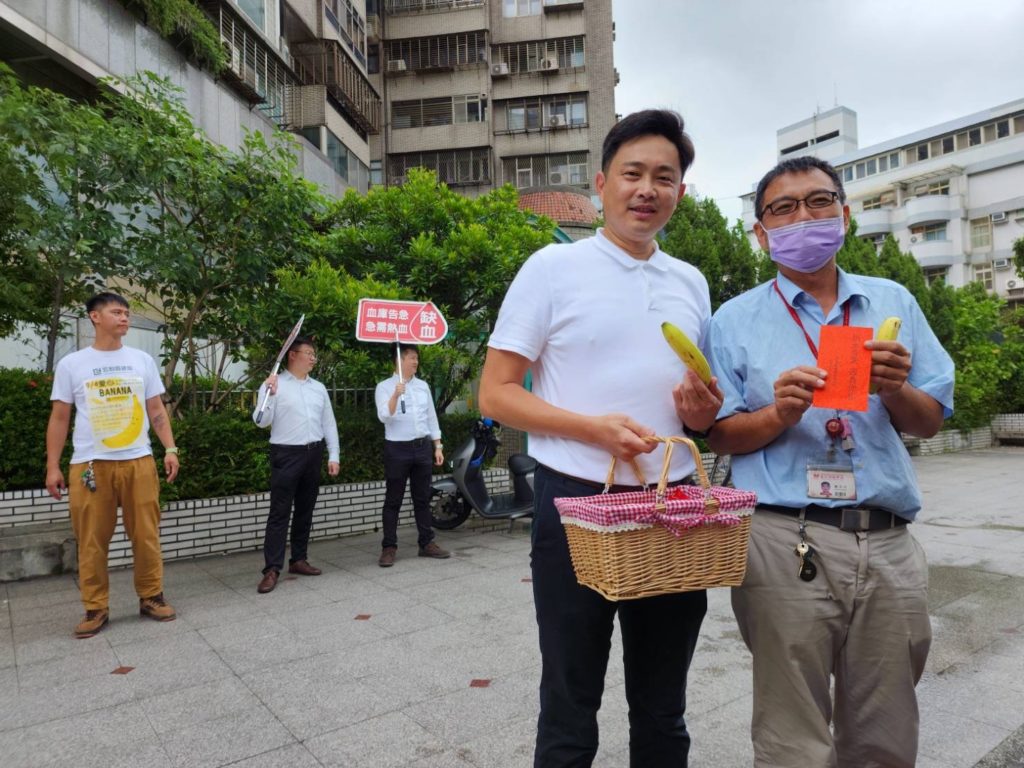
(555, 178)
(1001, 264)
(549, 64)
(499, 70)
(913, 238)
(557, 121)
(1011, 283)
(999, 218)
(396, 65)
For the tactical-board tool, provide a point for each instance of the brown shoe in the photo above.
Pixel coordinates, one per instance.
(156, 608)
(303, 568)
(94, 621)
(268, 582)
(432, 550)
(387, 557)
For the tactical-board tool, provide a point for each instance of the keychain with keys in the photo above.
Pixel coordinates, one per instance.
(89, 478)
(808, 570)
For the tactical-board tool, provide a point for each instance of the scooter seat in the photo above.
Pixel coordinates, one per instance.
(521, 464)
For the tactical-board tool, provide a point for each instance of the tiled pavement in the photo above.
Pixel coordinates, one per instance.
(366, 666)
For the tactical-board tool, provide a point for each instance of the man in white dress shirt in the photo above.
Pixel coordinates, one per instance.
(301, 421)
(412, 438)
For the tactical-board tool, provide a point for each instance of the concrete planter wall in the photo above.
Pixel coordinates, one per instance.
(35, 530)
(218, 526)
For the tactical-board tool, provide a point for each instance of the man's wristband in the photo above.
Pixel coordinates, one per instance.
(693, 434)
(173, 449)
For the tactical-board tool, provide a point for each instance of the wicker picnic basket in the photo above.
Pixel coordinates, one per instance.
(657, 542)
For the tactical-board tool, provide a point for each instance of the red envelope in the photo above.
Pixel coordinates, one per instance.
(841, 352)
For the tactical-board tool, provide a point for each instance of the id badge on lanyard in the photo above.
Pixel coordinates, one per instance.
(830, 474)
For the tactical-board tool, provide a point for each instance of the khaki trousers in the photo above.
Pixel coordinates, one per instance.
(863, 620)
(134, 486)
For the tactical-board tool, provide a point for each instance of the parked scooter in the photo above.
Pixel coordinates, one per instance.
(452, 499)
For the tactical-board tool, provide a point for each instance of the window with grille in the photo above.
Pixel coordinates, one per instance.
(536, 113)
(541, 55)
(983, 275)
(981, 233)
(929, 232)
(424, 113)
(931, 274)
(570, 169)
(459, 167)
(512, 8)
(442, 52)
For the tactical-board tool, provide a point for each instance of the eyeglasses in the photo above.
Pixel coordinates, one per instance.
(784, 206)
(308, 353)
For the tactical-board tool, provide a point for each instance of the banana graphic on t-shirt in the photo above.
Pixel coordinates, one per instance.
(130, 433)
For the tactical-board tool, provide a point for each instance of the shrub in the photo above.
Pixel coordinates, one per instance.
(24, 414)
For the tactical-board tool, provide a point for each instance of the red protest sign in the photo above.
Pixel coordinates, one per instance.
(410, 322)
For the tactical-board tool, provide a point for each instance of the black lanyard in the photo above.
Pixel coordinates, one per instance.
(799, 322)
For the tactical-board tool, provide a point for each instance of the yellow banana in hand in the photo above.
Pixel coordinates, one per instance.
(688, 351)
(887, 331)
(131, 432)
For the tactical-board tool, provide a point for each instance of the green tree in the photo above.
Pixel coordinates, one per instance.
(980, 371)
(941, 317)
(70, 196)
(329, 298)
(432, 243)
(858, 256)
(1018, 256)
(21, 273)
(698, 233)
(219, 225)
(904, 269)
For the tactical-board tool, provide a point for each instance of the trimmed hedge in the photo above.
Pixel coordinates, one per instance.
(222, 453)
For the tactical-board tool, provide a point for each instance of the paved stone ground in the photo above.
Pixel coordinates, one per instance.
(366, 666)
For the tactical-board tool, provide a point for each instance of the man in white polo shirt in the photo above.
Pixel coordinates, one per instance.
(586, 319)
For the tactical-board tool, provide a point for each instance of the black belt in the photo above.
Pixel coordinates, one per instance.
(306, 447)
(843, 518)
(600, 486)
(416, 442)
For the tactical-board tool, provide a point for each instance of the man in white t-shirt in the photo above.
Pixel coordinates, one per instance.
(116, 394)
(586, 319)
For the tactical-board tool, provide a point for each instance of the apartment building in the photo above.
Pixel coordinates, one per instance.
(489, 92)
(951, 194)
(297, 65)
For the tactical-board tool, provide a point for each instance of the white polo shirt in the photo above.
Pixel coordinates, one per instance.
(588, 316)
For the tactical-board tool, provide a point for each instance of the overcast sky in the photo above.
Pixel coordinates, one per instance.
(738, 70)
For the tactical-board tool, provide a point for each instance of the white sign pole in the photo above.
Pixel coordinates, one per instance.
(398, 364)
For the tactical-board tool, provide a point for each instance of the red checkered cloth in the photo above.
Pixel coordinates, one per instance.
(685, 508)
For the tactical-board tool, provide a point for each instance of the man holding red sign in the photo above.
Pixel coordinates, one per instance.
(836, 586)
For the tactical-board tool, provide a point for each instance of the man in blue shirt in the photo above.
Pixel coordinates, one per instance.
(836, 585)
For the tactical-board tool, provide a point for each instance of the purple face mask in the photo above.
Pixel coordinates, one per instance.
(808, 245)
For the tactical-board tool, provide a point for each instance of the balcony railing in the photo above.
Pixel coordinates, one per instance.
(325, 63)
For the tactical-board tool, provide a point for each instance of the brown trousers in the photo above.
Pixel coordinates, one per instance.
(134, 486)
(862, 621)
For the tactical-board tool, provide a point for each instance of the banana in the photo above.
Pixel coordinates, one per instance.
(687, 351)
(887, 331)
(131, 432)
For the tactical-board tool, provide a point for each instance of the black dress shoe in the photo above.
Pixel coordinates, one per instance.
(268, 582)
(303, 568)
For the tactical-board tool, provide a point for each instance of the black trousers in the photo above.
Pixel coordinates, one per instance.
(294, 477)
(411, 462)
(575, 627)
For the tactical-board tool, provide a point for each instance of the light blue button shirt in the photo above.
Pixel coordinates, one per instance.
(753, 339)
